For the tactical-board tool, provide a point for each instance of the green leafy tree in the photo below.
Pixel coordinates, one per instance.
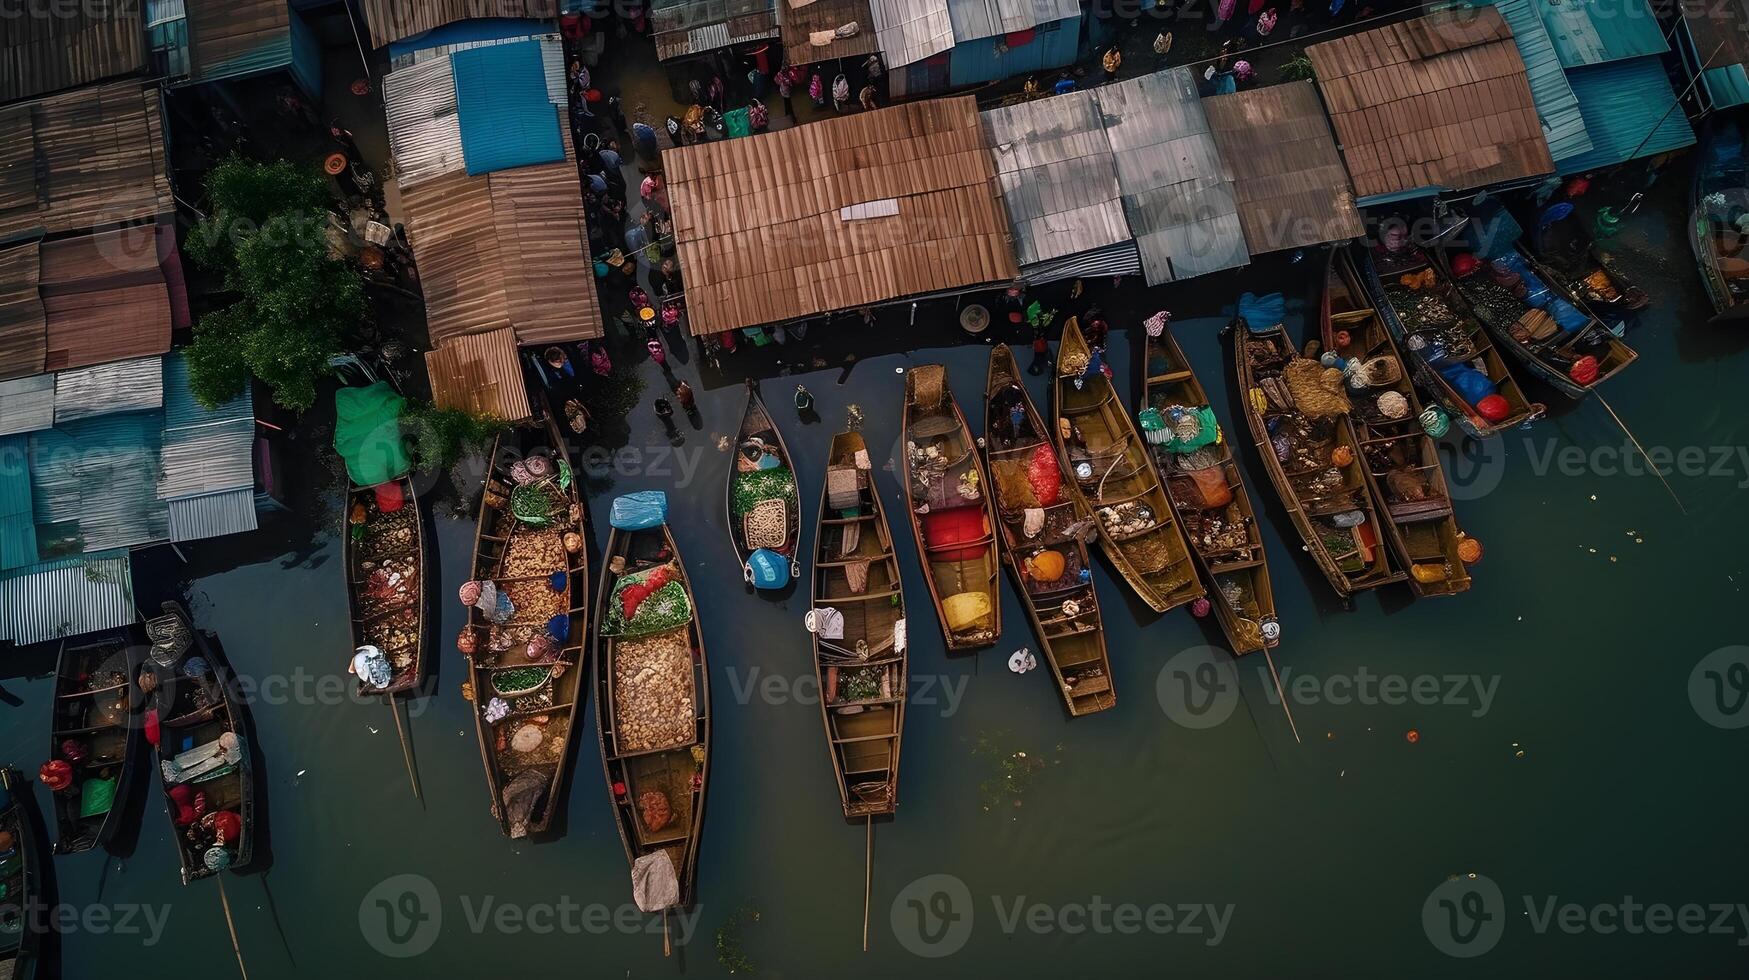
(1298, 68)
(439, 437)
(266, 236)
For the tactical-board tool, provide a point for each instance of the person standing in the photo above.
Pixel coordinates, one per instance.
(1112, 61)
(683, 394)
(867, 98)
(786, 83)
(665, 412)
(616, 116)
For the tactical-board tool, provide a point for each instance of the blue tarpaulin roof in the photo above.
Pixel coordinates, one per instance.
(507, 119)
(1556, 106)
(1630, 112)
(1594, 32)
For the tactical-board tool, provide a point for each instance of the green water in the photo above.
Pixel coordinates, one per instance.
(1589, 777)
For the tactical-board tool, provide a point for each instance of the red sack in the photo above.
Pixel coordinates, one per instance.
(389, 497)
(1045, 475)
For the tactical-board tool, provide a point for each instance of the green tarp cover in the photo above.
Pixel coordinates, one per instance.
(367, 433)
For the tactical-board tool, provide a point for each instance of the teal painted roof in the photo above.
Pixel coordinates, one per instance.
(17, 526)
(1727, 86)
(1630, 111)
(1594, 32)
(1563, 126)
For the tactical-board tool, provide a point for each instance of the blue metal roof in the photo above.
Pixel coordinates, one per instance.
(66, 597)
(94, 483)
(205, 451)
(213, 515)
(1630, 111)
(1556, 106)
(469, 32)
(1593, 32)
(1727, 86)
(17, 525)
(507, 119)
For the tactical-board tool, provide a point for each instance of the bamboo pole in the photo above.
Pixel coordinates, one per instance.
(406, 748)
(867, 879)
(231, 924)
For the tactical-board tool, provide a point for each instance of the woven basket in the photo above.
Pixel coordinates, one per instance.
(766, 525)
(928, 386)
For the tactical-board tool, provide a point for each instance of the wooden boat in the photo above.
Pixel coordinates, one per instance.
(1400, 460)
(205, 774)
(1552, 357)
(1566, 247)
(1208, 493)
(1115, 479)
(98, 735)
(21, 877)
(1030, 487)
(385, 580)
(1464, 340)
(653, 707)
(951, 515)
(526, 672)
(858, 625)
(1320, 482)
(1718, 201)
(764, 507)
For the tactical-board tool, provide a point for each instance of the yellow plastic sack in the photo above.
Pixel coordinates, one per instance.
(965, 610)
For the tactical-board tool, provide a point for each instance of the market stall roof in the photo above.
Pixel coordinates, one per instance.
(1058, 176)
(1556, 105)
(87, 158)
(75, 302)
(394, 20)
(206, 450)
(801, 21)
(976, 19)
(837, 214)
(911, 30)
(1441, 101)
(66, 597)
(23, 342)
(480, 373)
(17, 516)
(1293, 188)
(47, 48)
(1599, 31)
(1177, 193)
(1720, 30)
(684, 27)
(1631, 112)
(506, 249)
(95, 483)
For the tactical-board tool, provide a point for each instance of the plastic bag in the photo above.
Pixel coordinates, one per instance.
(1262, 313)
(639, 511)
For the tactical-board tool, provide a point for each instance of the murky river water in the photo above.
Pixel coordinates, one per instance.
(1560, 754)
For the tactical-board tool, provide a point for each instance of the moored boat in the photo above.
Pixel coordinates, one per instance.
(951, 516)
(858, 627)
(1718, 205)
(1044, 529)
(653, 702)
(97, 746)
(21, 879)
(1115, 479)
(1208, 492)
(1399, 458)
(204, 769)
(1298, 418)
(1566, 247)
(763, 505)
(527, 625)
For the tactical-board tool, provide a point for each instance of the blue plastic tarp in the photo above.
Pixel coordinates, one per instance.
(1262, 312)
(639, 511)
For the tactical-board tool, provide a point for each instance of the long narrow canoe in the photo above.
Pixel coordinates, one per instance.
(1720, 195)
(1116, 481)
(653, 706)
(763, 505)
(1552, 359)
(1326, 497)
(1050, 566)
(21, 874)
(951, 516)
(1565, 246)
(1405, 313)
(98, 735)
(859, 633)
(1400, 460)
(526, 672)
(1208, 491)
(202, 755)
(385, 580)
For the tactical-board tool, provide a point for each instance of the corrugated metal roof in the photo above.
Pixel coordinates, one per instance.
(1177, 195)
(1121, 259)
(1441, 100)
(1718, 31)
(1727, 86)
(66, 597)
(27, 404)
(1556, 106)
(47, 47)
(1592, 32)
(1631, 112)
(766, 233)
(481, 373)
(798, 23)
(425, 133)
(394, 20)
(1058, 176)
(98, 158)
(1293, 189)
(911, 30)
(104, 298)
(239, 37)
(710, 37)
(17, 516)
(204, 451)
(23, 333)
(975, 19)
(213, 515)
(120, 386)
(507, 119)
(94, 483)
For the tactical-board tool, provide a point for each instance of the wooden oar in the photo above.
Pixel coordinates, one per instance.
(231, 924)
(667, 949)
(1649, 464)
(1281, 696)
(867, 880)
(406, 749)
